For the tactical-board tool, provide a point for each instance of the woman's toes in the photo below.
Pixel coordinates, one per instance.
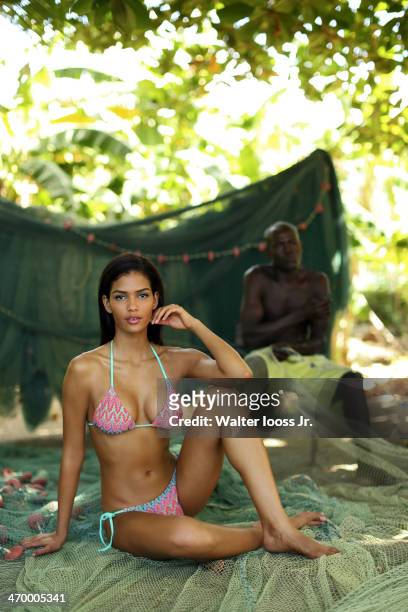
(308, 518)
(318, 518)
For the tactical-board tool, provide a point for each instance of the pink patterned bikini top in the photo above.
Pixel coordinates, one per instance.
(112, 417)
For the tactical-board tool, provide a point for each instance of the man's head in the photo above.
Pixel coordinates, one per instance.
(283, 245)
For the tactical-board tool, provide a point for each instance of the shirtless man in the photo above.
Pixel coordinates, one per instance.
(286, 306)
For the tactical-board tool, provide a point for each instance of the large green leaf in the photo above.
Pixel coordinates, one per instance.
(77, 72)
(141, 14)
(50, 176)
(122, 16)
(234, 12)
(249, 161)
(81, 7)
(130, 15)
(148, 135)
(85, 137)
(284, 6)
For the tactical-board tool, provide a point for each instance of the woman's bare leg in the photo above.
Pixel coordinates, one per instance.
(250, 458)
(198, 469)
(167, 537)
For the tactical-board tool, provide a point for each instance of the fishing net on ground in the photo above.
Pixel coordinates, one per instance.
(367, 522)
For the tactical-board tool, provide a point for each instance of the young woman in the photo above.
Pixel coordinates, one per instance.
(149, 496)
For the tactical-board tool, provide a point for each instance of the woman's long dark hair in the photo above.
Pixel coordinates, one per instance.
(123, 264)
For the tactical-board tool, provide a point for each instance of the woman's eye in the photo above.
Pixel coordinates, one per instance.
(120, 297)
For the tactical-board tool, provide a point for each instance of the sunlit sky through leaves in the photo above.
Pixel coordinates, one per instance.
(294, 124)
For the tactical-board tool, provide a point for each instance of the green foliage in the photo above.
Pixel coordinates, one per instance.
(232, 13)
(358, 53)
(382, 260)
(51, 177)
(76, 73)
(391, 306)
(95, 140)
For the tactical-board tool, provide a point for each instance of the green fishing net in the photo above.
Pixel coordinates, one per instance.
(50, 270)
(367, 522)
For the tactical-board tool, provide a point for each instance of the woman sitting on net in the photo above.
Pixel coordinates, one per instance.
(149, 496)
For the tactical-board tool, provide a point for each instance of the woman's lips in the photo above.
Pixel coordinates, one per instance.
(133, 320)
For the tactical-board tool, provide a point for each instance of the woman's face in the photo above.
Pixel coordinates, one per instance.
(131, 302)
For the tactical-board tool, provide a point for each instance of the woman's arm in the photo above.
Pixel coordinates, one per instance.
(75, 401)
(75, 398)
(227, 362)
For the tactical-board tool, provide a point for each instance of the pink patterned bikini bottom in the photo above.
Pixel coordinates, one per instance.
(165, 503)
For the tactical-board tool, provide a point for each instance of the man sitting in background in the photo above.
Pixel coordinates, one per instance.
(284, 320)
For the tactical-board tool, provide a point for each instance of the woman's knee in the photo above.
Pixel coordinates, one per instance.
(189, 538)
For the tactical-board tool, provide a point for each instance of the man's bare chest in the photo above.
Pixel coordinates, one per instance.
(279, 299)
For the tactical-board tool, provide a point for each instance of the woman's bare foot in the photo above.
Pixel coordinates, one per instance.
(307, 518)
(291, 539)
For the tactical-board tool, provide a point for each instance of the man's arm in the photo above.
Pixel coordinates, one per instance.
(319, 323)
(255, 331)
(319, 318)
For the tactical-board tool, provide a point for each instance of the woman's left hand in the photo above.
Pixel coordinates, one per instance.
(173, 315)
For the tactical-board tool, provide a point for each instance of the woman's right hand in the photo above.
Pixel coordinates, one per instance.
(51, 542)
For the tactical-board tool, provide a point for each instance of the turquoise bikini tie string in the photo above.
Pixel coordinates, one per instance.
(104, 517)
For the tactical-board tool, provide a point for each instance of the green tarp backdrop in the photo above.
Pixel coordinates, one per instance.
(50, 270)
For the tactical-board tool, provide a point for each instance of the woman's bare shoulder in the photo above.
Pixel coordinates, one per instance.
(86, 362)
(186, 355)
(173, 350)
